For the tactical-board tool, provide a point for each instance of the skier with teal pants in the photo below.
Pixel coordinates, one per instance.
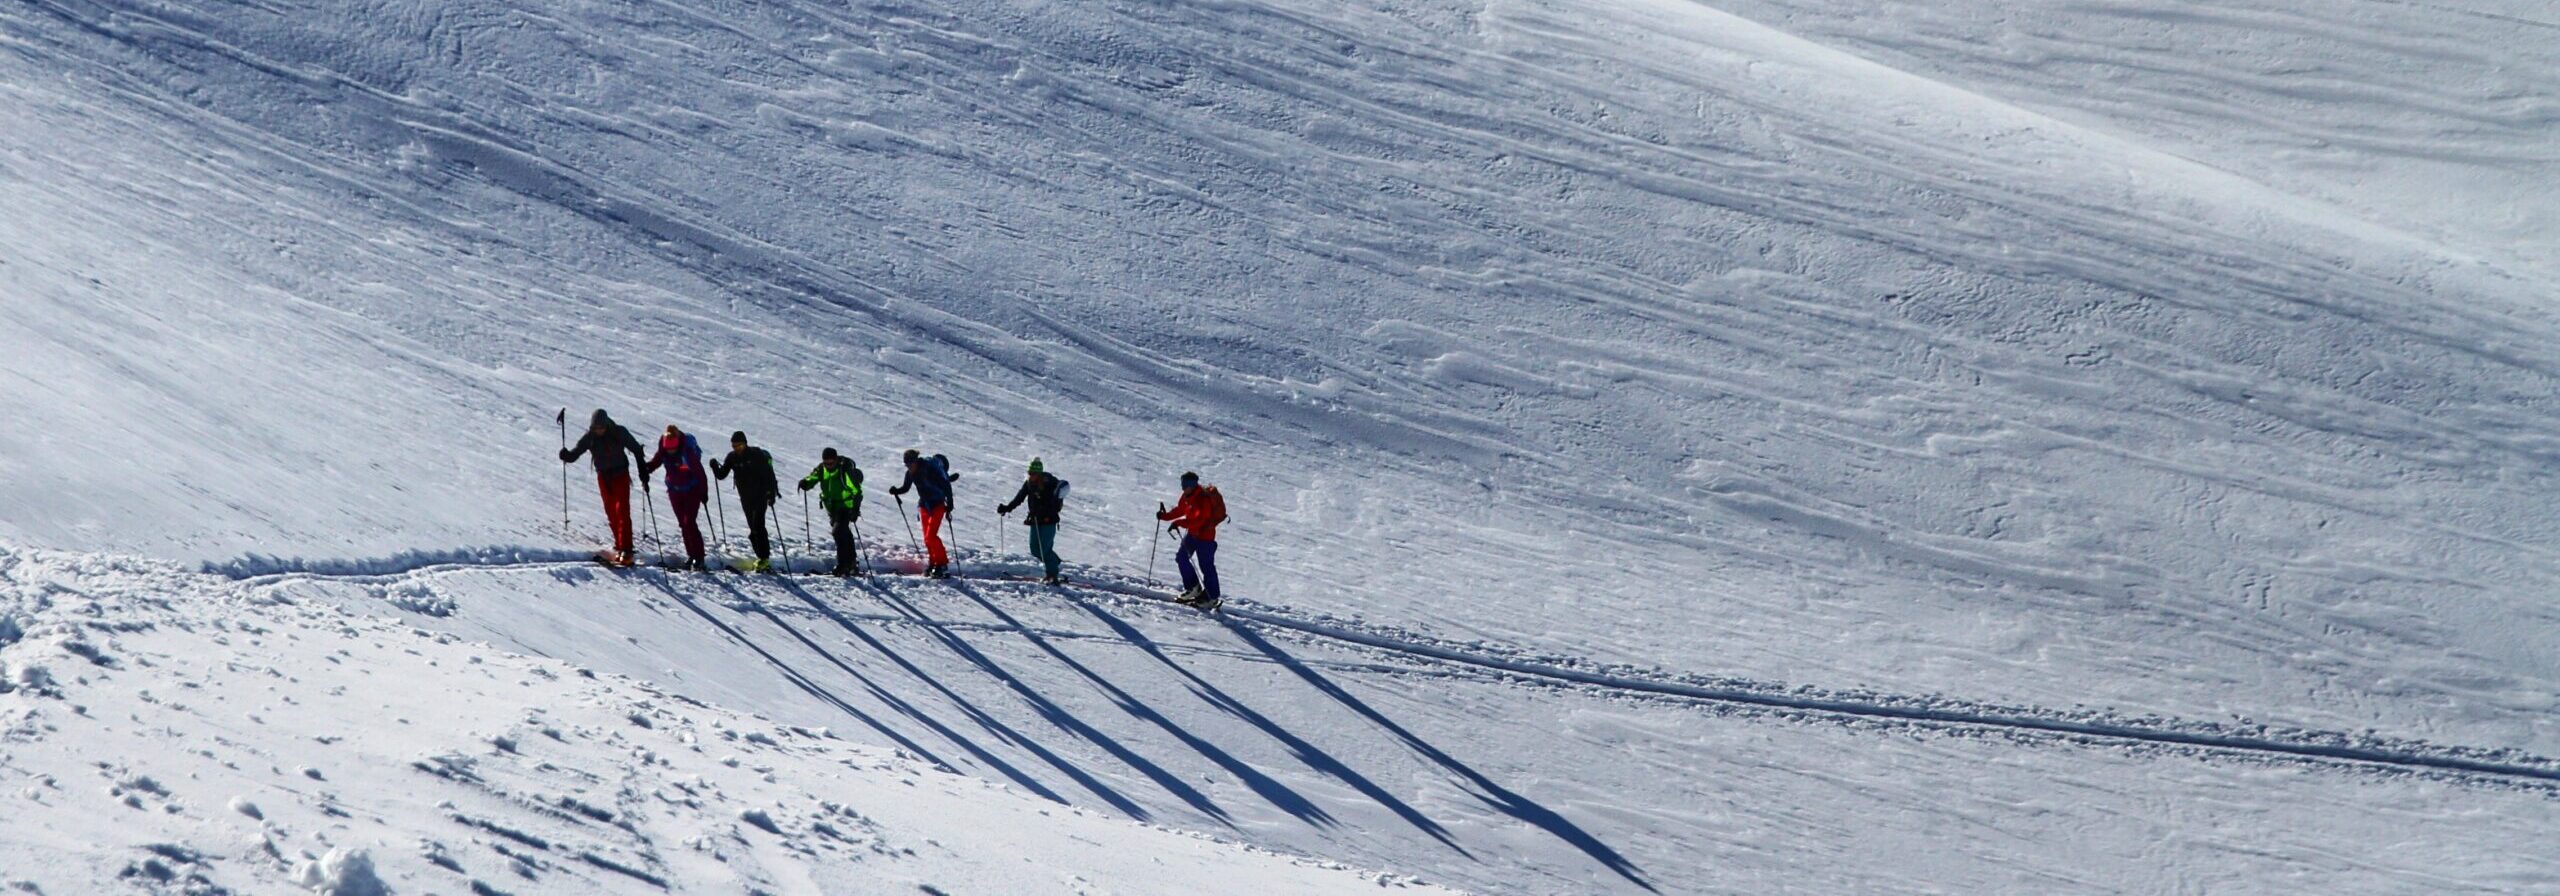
(1047, 496)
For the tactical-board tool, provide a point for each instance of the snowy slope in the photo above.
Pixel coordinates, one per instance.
(1872, 354)
(174, 732)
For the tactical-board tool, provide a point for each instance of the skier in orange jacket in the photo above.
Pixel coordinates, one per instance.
(1196, 516)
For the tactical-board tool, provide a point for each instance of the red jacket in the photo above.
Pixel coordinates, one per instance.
(1200, 511)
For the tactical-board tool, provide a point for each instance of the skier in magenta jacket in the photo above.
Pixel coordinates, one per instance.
(681, 457)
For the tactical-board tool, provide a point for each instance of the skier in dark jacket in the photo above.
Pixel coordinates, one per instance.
(842, 496)
(608, 442)
(757, 492)
(681, 456)
(1045, 495)
(1197, 516)
(931, 480)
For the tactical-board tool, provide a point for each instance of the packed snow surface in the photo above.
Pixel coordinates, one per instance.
(1692, 447)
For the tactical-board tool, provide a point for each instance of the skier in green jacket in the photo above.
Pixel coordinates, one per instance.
(840, 488)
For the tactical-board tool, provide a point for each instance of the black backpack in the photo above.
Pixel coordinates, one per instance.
(941, 466)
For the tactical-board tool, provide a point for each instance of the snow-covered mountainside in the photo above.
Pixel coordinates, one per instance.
(1695, 447)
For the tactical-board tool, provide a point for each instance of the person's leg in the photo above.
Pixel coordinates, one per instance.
(931, 519)
(755, 532)
(840, 525)
(1044, 545)
(1182, 561)
(688, 510)
(1208, 569)
(616, 489)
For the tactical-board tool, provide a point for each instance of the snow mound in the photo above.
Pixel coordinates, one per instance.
(341, 872)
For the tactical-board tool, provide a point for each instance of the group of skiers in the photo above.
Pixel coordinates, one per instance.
(837, 480)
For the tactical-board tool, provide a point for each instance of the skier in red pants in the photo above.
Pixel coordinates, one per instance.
(608, 442)
(681, 456)
(931, 478)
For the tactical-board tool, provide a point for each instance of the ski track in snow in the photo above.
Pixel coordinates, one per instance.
(2502, 766)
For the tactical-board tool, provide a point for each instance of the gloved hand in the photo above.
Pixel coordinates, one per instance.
(1002, 510)
(565, 456)
(806, 485)
(1177, 527)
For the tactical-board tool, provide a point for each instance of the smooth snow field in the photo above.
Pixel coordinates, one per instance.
(1739, 446)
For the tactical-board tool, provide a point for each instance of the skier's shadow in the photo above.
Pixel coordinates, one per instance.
(1058, 715)
(884, 695)
(982, 717)
(798, 679)
(1308, 753)
(1279, 795)
(1495, 796)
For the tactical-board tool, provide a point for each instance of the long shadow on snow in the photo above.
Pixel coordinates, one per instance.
(803, 682)
(892, 700)
(1307, 753)
(1278, 794)
(1500, 798)
(1108, 795)
(1058, 715)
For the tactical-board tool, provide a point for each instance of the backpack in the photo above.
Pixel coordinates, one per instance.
(1061, 490)
(688, 455)
(1217, 503)
(941, 466)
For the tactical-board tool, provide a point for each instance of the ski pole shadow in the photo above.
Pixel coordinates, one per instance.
(1279, 795)
(982, 717)
(1307, 753)
(1493, 795)
(1057, 715)
(893, 701)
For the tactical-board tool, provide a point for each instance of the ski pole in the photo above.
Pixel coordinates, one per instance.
(563, 420)
(1151, 550)
(648, 502)
(857, 540)
(720, 522)
(807, 540)
(911, 525)
(784, 534)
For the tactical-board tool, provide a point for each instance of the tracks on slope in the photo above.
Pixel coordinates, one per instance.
(2301, 745)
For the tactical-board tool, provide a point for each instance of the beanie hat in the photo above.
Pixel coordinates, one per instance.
(912, 454)
(739, 436)
(1190, 477)
(599, 419)
(1035, 465)
(829, 454)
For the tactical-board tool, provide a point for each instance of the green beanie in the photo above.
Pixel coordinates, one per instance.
(1035, 465)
